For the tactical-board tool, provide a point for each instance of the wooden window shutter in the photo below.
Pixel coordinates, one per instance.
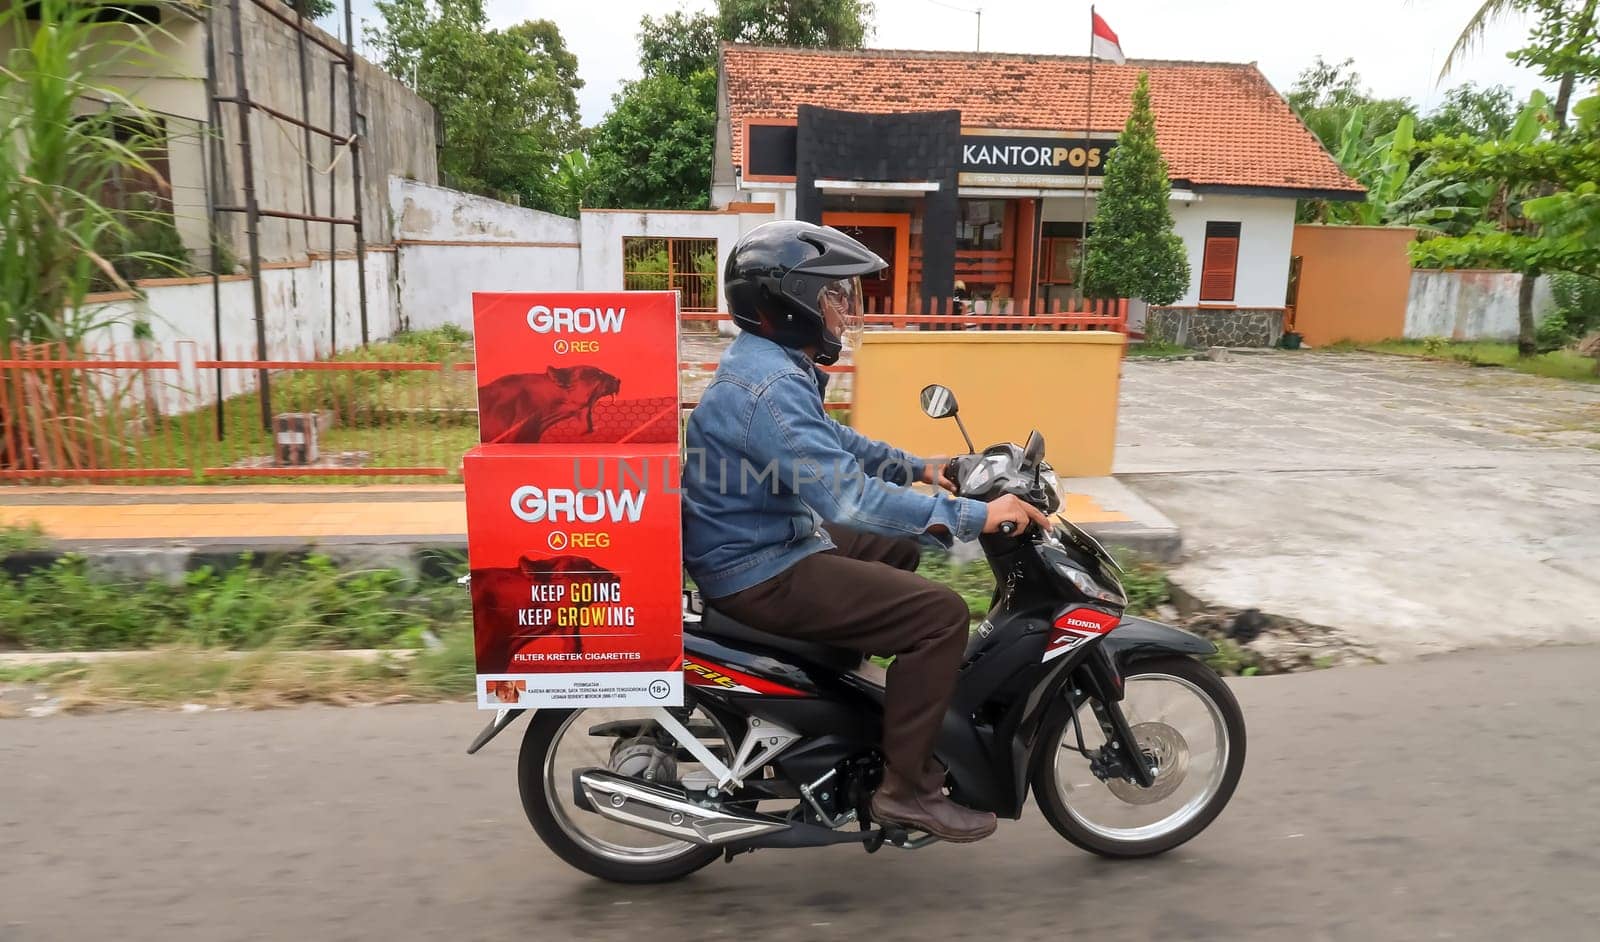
(1220, 267)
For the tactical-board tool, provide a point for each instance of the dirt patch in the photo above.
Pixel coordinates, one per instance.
(327, 459)
(1251, 641)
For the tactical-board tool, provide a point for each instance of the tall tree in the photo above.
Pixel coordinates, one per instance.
(507, 99)
(1484, 113)
(822, 24)
(645, 133)
(653, 151)
(1549, 186)
(1564, 47)
(1327, 95)
(1133, 252)
(678, 44)
(1491, 10)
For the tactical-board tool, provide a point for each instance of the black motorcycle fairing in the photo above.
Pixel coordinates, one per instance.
(1138, 638)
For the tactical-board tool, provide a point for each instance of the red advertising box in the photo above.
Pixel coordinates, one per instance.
(577, 367)
(577, 580)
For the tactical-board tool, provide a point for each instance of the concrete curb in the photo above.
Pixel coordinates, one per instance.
(29, 658)
(428, 557)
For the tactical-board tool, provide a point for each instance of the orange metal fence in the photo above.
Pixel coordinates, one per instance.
(133, 412)
(1110, 314)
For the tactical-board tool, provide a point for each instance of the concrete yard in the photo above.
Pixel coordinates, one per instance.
(1415, 506)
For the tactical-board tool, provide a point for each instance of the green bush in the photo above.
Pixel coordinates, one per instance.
(1577, 309)
(311, 604)
(1554, 331)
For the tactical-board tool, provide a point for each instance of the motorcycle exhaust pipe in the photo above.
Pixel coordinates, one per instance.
(666, 811)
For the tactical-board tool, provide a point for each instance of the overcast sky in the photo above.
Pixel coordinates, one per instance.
(1397, 45)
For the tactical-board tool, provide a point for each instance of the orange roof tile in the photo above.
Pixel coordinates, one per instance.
(1218, 124)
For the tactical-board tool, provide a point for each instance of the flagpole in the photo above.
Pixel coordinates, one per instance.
(1088, 127)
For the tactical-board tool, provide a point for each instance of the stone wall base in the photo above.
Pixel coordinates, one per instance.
(1211, 327)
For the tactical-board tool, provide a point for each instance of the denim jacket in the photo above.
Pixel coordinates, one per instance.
(765, 467)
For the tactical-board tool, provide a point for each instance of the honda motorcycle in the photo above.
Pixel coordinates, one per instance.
(1130, 745)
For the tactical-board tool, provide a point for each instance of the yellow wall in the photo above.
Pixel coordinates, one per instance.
(1007, 382)
(1354, 282)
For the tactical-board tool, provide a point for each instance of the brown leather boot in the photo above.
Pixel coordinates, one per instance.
(923, 806)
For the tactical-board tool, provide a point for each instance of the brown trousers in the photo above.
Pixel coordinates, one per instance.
(864, 596)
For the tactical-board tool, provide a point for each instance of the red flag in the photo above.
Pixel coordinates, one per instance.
(1104, 42)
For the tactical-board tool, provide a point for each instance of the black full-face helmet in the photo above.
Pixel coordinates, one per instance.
(799, 284)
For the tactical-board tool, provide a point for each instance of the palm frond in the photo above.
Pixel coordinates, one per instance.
(1472, 33)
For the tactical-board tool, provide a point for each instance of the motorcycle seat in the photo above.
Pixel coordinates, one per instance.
(720, 626)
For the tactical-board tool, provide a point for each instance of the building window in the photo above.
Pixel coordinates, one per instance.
(687, 266)
(140, 190)
(1220, 267)
(981, 227)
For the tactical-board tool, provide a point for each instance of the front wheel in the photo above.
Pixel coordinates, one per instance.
(1187, 722)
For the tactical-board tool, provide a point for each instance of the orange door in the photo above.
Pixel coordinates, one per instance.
(889, 235)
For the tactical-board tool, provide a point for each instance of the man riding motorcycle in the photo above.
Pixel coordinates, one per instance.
(804, 527)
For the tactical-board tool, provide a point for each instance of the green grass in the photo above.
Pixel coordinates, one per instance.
(301, 605)
(1156, 349)
(1559, 364)
(399, 418)
(257, 679)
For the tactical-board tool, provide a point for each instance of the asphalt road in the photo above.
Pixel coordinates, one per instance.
(1440, 799)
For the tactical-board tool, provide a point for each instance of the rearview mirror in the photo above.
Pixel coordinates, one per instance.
(1033, 451)
(938, 401)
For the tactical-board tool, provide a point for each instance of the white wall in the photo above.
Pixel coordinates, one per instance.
(604, 230)
(1469, 305)
(450, 244)
(296, 302)
(1266, 233)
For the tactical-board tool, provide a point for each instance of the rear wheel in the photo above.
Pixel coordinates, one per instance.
(1187, 722)
(557, 743)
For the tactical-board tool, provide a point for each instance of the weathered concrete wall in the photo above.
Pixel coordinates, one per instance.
(176, 314)
(604, 229)
(1212, 327)
(450, 244)
(171, 84)
(399, 138)
(1469, 305)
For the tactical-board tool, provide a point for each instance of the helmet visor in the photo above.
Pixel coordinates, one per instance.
(841, 304)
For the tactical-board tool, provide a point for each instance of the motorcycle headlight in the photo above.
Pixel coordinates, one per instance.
(976, 479)
(1084, 582)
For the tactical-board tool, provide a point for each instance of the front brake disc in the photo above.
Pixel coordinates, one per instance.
(1166, 749)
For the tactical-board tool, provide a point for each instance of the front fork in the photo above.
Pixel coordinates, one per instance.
(1098, 678)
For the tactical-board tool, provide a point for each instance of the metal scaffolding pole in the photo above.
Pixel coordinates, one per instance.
(305, 117)
(355, 165)
(338, 56)
(212, 144)
(252, 218)
(333, 210)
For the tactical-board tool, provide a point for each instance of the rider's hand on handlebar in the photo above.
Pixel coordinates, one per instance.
(933, 473)
(1008, 508)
